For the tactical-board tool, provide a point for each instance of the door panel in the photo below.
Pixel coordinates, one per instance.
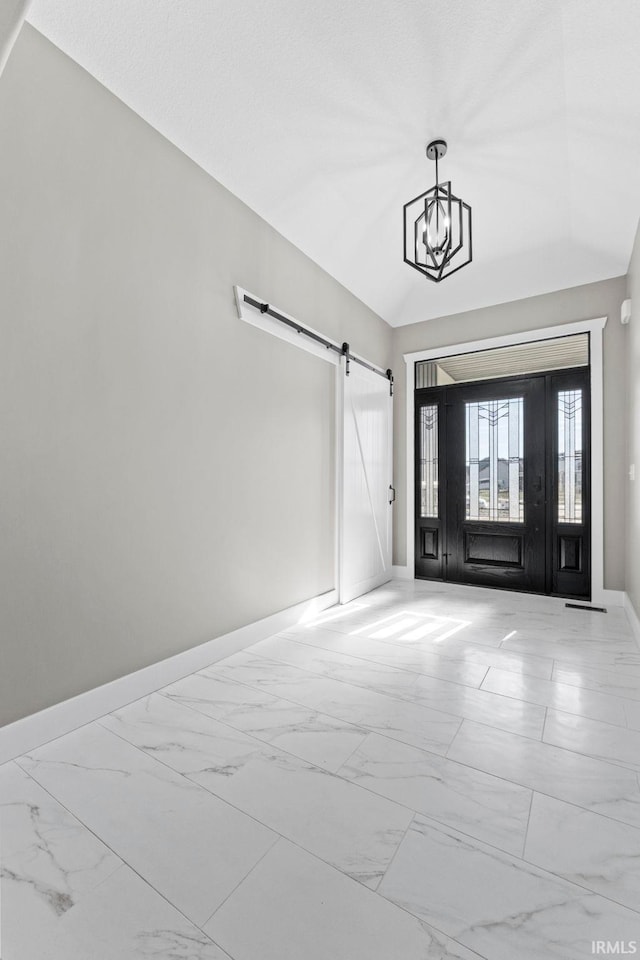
(495, 490)
(502, 483)
(365, 546)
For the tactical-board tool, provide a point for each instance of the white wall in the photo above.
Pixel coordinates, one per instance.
(166, 471)
(632, 487)
(564, 306)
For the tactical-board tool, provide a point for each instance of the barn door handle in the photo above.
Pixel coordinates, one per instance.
(393, 491)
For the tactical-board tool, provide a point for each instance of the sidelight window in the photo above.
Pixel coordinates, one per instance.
(428, 433)
(570, 456)
(495, 460)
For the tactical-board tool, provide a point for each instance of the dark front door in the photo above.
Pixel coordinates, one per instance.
(502, 483)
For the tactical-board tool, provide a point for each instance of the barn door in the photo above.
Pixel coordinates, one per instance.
(366, 482)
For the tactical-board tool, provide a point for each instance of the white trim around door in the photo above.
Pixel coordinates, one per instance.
(595, 328)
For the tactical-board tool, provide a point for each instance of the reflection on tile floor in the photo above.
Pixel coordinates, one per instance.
(421, 774)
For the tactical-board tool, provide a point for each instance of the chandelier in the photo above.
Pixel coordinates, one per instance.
(437, 227)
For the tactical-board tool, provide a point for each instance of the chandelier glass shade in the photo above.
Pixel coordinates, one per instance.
(437, 227)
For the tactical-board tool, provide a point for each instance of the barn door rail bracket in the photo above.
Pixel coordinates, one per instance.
(347, 358)
(242, 297)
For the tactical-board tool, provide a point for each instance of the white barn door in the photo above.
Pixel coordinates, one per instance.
(366, 491)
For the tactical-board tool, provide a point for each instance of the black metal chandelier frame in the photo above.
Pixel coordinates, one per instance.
(434, 260)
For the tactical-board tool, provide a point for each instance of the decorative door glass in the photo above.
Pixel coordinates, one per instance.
(495, 460)
(428, 433)
(570, 456)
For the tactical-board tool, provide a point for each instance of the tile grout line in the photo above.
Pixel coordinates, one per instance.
(210, 792)
(355, 728)
(551, 796)
(432, 653)
(486, 674)
(559, 683)
(395, 853)
(391, 696)
(449, 748)
(276, 841)
(492, 693)
(278, 836)
(329, 676)
(393, 646)
(411, 810)
(544, 726)
(194, 783)
(403, 669)
(567, 879)
(336, 772)
(432, 817)
(445, 755)
(256, 686)
(123, 862)
(548, 874)
(367, 732)
(299, 703)
(526, 832)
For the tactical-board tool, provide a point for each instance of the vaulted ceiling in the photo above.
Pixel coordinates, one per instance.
(317, 115)
(12, 13)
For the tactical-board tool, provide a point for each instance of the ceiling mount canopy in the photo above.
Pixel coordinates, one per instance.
(437, 227)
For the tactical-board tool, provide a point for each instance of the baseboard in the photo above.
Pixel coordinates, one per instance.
(632, 616)
(611, 598)
(401, 573)
(46, 725)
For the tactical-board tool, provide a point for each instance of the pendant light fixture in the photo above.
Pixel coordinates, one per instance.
(437, 227)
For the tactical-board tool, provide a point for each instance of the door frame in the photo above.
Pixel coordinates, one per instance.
(595, 328)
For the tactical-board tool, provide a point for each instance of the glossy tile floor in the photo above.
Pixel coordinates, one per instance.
(420, 774)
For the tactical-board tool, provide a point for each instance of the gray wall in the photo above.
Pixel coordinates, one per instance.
(565, 306)
(633, 431)
(167, 471)
(12, 14)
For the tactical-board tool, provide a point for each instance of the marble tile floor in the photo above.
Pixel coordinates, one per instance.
(419, 775)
